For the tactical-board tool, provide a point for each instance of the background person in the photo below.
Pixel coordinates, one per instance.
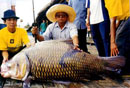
(43, 27)
(99, 22)
(5, 5)
(80, 9)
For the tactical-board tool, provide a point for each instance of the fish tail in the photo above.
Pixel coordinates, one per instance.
(114, 63)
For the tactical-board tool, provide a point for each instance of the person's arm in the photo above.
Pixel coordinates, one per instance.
(88, 17)
(3, 47)
(88, 13)
(75, 42)
(5, 55)
(113, 46)
(74, 36)
(40, 37)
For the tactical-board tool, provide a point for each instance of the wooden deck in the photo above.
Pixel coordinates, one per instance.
(106, 82)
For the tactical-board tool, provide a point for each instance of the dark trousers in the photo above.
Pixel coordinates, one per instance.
(123, 41)
(82, 39)
(101, 37)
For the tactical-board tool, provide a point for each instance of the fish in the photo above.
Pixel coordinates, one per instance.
(57, 60)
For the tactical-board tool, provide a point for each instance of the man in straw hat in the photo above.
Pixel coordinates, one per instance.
(12, 38)
(81, 11)
(61, 15)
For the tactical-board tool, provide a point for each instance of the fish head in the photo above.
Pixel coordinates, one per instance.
(16, 68)
(6, 68)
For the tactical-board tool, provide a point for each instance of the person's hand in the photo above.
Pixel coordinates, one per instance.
(35, 30)
(88, 28)
(87, 23)
(5, 60)
(76, 47)
(114, 49)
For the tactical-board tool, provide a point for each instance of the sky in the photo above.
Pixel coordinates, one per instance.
(24, 10)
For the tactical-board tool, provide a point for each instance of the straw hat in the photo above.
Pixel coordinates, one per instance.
(67, 0)
(60, 8)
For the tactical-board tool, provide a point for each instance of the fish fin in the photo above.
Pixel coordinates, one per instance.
(114, 63)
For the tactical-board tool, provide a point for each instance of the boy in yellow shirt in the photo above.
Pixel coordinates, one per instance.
(12, 38)
(119, 12)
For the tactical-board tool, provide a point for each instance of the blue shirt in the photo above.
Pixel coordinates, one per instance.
(80, 8)
(53, 31)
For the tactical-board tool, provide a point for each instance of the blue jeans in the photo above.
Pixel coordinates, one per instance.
(2, 26)
(101, 37)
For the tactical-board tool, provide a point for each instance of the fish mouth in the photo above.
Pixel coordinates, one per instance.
(4, 71)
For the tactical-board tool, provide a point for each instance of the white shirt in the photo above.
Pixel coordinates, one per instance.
(53, 31)
(96, 14)
(5, 5)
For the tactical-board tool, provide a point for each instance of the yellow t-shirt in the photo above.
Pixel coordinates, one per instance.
(118, 8)
(13, 41)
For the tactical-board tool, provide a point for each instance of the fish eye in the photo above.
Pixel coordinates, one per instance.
(9, 65)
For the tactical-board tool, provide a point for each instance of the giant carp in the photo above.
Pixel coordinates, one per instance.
(57, 60)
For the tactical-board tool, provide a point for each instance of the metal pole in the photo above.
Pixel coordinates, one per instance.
(33, 11)
(34, 20)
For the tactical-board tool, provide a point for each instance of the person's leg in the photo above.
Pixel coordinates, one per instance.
(97, 39)
(104, 28)
(123, 42)
(82, 39)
